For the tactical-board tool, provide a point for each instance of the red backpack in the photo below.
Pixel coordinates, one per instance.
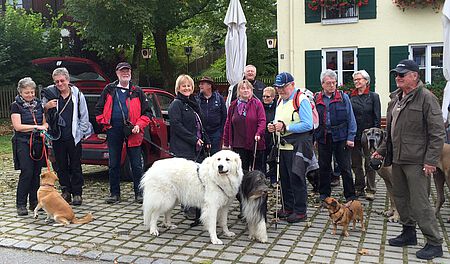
(296, 103)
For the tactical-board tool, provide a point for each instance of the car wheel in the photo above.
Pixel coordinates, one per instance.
(126, 174)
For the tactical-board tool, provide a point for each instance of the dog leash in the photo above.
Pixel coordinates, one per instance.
(254, 155)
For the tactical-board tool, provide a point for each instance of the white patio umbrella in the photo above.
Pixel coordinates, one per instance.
(446, 62)
(235, 45)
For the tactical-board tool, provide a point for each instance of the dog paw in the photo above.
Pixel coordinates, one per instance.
(154, 232)
(171, 226)
(35, 216)
(216, 241)
(229, 234)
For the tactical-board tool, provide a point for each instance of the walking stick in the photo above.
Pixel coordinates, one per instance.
(278, 137)
(254, 155)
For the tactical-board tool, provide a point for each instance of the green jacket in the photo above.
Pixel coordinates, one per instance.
(419, 133)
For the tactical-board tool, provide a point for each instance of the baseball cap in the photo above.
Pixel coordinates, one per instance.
(123, 65)
(282, 79)
(207, 79)
(405, 66)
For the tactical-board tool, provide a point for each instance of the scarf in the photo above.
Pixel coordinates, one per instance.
(242, 107)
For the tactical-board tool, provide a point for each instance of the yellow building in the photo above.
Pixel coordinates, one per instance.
(373, 37)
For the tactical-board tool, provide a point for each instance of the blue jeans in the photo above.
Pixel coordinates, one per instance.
(115, 143)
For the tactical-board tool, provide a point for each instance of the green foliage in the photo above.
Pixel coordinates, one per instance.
(438, 85)
(217, 69)
(23, 37)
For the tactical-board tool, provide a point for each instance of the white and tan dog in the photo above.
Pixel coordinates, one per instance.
(211, 186)
(54, 204)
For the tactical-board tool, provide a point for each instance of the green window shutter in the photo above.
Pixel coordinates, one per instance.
(368, 11)
(366, 61)
(313, 67)
(396, 54)
(310, 15)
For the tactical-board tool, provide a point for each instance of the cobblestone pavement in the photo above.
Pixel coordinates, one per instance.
(118, 235)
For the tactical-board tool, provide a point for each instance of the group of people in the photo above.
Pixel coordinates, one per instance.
(255, 121)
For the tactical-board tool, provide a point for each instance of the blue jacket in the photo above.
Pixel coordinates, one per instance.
(214, 112)
(335, 117)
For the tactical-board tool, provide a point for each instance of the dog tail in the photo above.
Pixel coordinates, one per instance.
(84, 220)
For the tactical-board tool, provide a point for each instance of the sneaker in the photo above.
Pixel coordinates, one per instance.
(429, 252)
(67, 196)
(335, 182)
(113, 199)
(77, 200)
(284, 213)
(370, 196)
(295, 218)
(22, 210)
(360, 193)
(139, 199)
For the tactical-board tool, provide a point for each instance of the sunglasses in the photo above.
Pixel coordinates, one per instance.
(400, 74)
(266, 96)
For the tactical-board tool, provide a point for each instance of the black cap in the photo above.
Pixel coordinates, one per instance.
(405, 66)
(123, 65)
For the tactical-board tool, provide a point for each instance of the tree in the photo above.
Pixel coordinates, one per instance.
(116, 25)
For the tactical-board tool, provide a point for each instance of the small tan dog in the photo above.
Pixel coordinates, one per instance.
(343, 214)
(54, 204)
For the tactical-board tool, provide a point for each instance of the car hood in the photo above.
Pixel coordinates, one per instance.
(83, 72)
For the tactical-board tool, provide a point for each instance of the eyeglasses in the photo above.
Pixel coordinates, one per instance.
(358, 79)
(400, 74)
(266, 96)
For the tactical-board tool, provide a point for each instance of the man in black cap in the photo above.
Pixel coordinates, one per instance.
(415, 139)
(123, 111)
(214, 112)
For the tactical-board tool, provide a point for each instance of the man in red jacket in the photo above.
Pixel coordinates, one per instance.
(123, 106)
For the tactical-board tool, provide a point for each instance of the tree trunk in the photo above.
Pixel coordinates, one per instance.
(137, 57)
(160, 36)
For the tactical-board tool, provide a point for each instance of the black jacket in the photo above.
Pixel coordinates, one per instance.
(214, 112)
(183, 127)
(367, 111)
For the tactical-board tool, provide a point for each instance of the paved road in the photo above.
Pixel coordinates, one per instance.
(18, 256)
(117, 233)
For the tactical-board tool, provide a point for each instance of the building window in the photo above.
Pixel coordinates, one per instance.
(340, 15)
(430, 60)
(15, 3)
(342, 61)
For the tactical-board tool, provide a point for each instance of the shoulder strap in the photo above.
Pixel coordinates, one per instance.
(296, 99)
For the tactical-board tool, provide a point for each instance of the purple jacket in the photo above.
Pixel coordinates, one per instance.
(255, 121)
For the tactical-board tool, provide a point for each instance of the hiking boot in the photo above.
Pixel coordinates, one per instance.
(295, 218)
(429, 252)
(408, 237)
(370, 196)
(22, 210)
(67, 196)
(77, 200)
(113, 199)
(284, 213)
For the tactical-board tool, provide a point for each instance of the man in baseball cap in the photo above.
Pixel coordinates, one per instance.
(405, 66)
(283, 79)
(123, 65)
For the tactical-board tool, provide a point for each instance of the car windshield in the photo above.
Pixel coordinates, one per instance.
(86, 76)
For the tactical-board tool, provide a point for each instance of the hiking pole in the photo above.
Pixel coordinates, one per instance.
(254, 155)
(278, 137)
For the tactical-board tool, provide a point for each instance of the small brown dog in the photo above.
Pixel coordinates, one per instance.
(54, 204)
(343, 214)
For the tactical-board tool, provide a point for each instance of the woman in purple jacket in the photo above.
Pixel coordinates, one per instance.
(245, 127)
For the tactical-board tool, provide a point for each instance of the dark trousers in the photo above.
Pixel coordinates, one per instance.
(30, 170)
(216, 141)
(247, 158)
(293, 186)
(68, 160)
(411, 191)
(115, 144)
(342, 155)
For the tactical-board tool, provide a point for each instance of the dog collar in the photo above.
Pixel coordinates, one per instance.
(48, 185)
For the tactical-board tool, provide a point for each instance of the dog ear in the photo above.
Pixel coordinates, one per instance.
(238, 166)
(206, 167)
(364, 137)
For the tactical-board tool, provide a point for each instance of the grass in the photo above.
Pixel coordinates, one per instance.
(5, 136)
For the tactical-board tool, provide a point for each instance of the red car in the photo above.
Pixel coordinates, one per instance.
(90, 79)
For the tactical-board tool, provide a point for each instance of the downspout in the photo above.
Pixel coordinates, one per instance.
(291, 36)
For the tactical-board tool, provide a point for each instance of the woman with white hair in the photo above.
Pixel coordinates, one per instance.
(367, 111)
(27, 116)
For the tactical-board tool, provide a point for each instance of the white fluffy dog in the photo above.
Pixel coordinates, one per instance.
(211, 186)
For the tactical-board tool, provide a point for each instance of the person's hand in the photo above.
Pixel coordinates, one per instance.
(199, 142)
(279, 127)
(225, 147)
(428, 170)
(41, 128)
(376, 155)
(350, 144)
(257, 138)
(135, 130)
(51, 104)
(271, 127)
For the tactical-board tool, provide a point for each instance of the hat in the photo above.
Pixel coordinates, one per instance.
(282, 79)
(405, 66)
(123, 65)
(207, 79)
